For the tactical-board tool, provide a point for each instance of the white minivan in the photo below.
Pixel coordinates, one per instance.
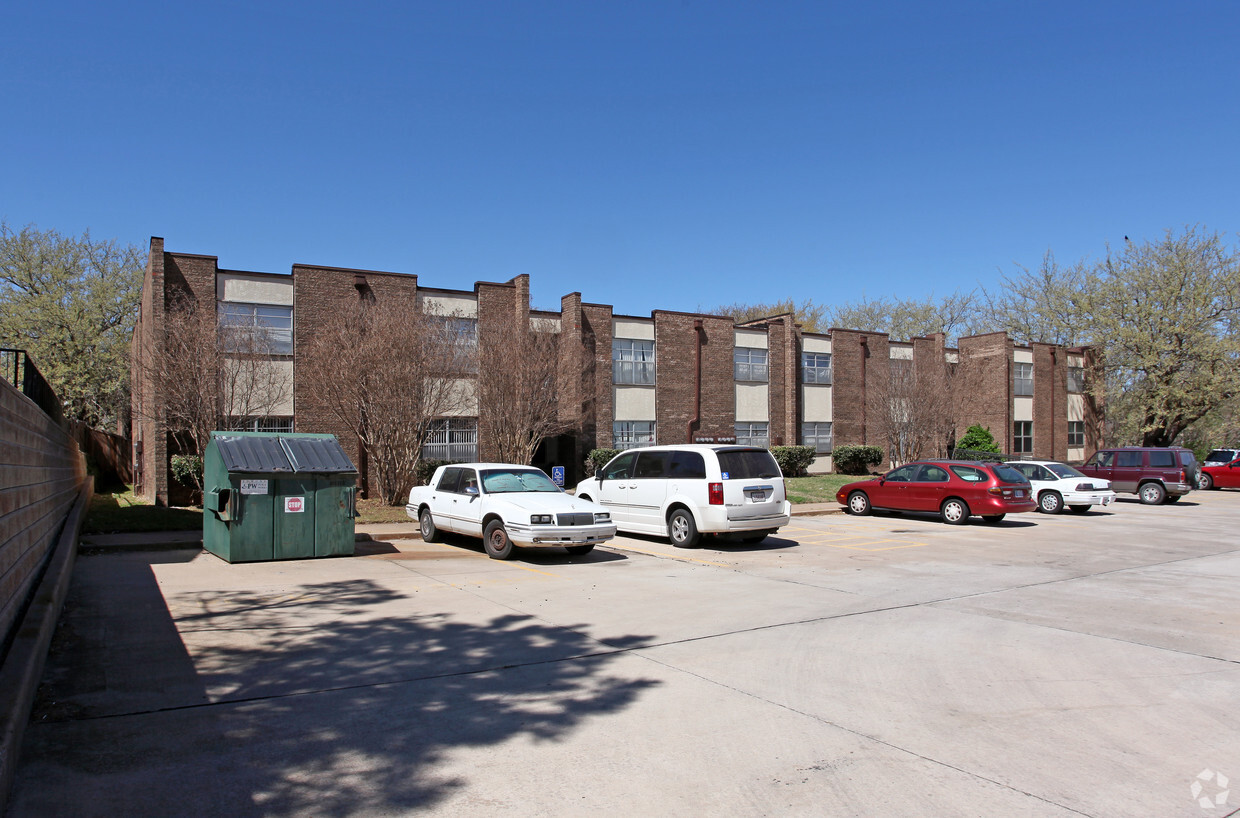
(682, 492)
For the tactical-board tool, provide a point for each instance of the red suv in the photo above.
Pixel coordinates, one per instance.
(955, 489)
(1154, 474)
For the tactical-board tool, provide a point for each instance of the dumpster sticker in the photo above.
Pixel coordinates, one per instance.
(294, 505)
(253, 486)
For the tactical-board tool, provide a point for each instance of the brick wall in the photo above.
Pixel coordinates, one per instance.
(41, 474)
(983, 385)
(675, 350)
(598, 410)
(859, 360)
(1050, 399)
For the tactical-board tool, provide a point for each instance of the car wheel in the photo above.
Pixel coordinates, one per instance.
(579, 550)
(992, 518)
(755, 538)
(495, 540)
(1050, 502)
(1152, 494)
(1174, 498)
(1078, 509)
(1205, 482)
(681, 529)
(954, 511)
(858, 503)
(426, 523)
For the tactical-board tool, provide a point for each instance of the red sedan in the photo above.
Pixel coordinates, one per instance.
(955, 489)
(1222, 476)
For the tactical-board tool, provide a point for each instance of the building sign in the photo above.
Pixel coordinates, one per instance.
(253, 486)
(294, 505)
(714, 438)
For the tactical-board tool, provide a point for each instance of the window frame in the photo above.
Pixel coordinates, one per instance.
(632, 437)
(1022, 386)
(1022, 438)
(750, 436)
(813, 371)
(1076, 434)
(747, 369)
(633, 362)
(231, 319)
(817, 437)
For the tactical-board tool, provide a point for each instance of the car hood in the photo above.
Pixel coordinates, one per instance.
(545, 502)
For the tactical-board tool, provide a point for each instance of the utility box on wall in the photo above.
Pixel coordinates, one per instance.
(275, 496)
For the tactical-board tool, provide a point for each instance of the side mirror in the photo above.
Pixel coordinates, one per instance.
(472, 491)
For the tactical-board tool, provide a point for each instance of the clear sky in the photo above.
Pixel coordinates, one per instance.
(669, 155)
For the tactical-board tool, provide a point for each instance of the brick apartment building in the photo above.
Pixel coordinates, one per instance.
(626, 381)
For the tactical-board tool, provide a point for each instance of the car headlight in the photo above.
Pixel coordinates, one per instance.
(540, 519)
(602, 516)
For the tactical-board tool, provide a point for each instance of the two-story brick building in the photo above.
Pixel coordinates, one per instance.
(625, 381)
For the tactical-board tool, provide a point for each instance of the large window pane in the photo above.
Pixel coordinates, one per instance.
(815, 367)
(632, 361)
(750, 364)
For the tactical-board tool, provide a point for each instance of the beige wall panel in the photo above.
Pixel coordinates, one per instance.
(751, 339)
(1076, 406)
(254, 290)
(814, 343)
(1022, 356)
(900, 353)
(816, 403)
(634, 403)
(633, 330)
(464, 399)
(753, 402)
(462, 306)
(265, 388)
(1022, 408)
(822, 464)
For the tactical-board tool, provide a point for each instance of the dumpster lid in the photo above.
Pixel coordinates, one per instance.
(252, 453)
(317, 454)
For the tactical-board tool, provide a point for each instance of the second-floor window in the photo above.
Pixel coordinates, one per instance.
(1076, 379)
(750, 364)
(1022, 379)
(265, 329)
(632, 361)
(815, 367)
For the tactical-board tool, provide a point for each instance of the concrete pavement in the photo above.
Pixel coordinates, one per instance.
(1047, 666)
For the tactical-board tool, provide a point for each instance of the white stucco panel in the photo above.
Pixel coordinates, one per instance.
(1076, 406)
(634, 403)
(1022, 356)
(900, 353)
(816, 403)
(250, 289)
(263, 388)
(813, 343)
(632, 329)
(752, 402)
(1022, 408)
(751, 339)
(461, 398)
(464, 305)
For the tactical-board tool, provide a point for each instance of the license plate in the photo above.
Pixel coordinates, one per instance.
(757, 496)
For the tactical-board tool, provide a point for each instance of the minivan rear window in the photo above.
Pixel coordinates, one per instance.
(747, 464)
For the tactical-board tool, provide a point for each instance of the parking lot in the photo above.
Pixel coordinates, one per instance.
(886, 665)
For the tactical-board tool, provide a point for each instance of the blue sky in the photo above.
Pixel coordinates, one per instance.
(649, 155)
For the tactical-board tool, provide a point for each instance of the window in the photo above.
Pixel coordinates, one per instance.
(752, 434)
(1128, 460)
(932, 474)
(970, 474)
(260, 424)
(817, 435)
(901, 371)
(816, 367)
(750, 364)
(1076, 379)
(903, 474)
(258, 328)
(1162, 459)
(632, 434)
(1022, 437)
(632, 361)
(652, 465)
(1076, 433)
(1022, 379)
(687, 466)
(620, 468)
(452, 439)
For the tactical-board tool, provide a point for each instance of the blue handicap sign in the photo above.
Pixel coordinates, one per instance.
(557, 475)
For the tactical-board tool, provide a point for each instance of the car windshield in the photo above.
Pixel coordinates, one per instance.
(501, 481)
(1064, 470)
(747, 464)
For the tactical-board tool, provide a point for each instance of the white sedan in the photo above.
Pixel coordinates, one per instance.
(1056, 485)
(507, 505)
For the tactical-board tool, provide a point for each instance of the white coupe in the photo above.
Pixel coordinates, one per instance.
(1056, 485)
(507, 505)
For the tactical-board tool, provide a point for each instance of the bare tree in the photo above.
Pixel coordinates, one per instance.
(517, 390)
(918, 417)
(387, 374)
(211, 374)
(904, 318)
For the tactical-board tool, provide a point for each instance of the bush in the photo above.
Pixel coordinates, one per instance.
(597, 459)
(426, 470)
(187, 470)
(793, 460)
(978, 439)
(856, 459)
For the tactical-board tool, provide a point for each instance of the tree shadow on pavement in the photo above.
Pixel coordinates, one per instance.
(331, 698)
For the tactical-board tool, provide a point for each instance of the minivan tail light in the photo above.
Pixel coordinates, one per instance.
(716, 494)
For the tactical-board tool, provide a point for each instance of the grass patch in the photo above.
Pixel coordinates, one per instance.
(817, 488)
(376, 511)
(121, 510)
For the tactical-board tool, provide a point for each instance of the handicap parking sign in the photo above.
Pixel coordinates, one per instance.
(557, 475)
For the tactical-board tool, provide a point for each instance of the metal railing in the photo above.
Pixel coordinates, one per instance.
(20, 371)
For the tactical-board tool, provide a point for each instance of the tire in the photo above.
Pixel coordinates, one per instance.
(1152, 494)
(1050, 502)
(579, 550)
(426, 524)
(1205, 482)
(1078, 509)
(859, 504)
(992, 518)
(681, 529)
(954, 511)
(495, 541)
(1174, 498)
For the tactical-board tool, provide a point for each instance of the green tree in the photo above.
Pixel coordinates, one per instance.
(977, 438)
(71, 302)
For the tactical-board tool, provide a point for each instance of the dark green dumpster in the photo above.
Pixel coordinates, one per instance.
(276, 496)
